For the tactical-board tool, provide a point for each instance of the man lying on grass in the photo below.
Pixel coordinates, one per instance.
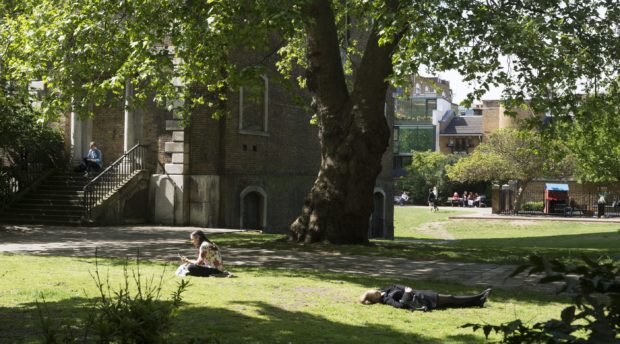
(401, 296)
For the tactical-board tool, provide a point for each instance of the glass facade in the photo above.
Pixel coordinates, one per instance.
(418, 109)
(402, 162)
(414, 138)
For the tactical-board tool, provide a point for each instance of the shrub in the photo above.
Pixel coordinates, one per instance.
(134, 313)
(533, 206)
(595, 291)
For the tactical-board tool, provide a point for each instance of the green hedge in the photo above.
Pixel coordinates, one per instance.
(533, 206)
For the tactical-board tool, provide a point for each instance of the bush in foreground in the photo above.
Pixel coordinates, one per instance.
(594, 316)
(134, 313)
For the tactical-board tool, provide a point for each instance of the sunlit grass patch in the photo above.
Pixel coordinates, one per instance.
(260, 305)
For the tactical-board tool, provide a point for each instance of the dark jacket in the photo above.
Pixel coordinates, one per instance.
(431, 197)
(394, 295)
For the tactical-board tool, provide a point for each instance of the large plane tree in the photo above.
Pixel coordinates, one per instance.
(86, 51)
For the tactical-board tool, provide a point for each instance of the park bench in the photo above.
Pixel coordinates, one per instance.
(579, 209)
(453, 202)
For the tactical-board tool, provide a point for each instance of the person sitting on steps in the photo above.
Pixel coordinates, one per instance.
(405, 297)
(92, 162)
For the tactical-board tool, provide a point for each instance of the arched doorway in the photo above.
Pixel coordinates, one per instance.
(253, 208)
(377, 219)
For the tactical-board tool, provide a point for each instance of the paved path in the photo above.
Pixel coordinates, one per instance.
(164, 243)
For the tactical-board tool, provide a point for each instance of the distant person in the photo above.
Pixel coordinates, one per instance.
(92, 162)
(404, 297)
(478, 200)
(432, 200)
(207, 263)
(403, 198)
(470, 199)
(570, 209)
(601, 203)
(455, 199)
(464, 199)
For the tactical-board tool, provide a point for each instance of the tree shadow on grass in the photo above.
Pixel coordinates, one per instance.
(275, 323)
(370, 282)
(272, 324)
(268, 323)
(507, 250)
(22, 324)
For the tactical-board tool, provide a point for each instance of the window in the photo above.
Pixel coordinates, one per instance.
(416, 138)
(402, 161)
(431, 104)
(253, 106)
(411, 110)
(395, 145)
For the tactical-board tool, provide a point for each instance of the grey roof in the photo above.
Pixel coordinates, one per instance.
(464, 125)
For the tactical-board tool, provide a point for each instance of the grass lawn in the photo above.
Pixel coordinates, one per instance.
(505, 240)
(258, 306)
(424, 235)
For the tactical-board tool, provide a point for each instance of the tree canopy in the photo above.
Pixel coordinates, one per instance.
(87, 50)
(514, 154)
(592, 134)
(428, 170)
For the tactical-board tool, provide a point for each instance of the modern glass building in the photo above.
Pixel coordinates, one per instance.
(418, 111)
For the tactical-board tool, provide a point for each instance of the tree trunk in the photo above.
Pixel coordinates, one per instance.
(519, 199)
(353, 133)
(339, 205)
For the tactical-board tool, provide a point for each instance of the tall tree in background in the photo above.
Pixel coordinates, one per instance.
(86, 50)
(512, 154)
(427, 169)
(592, 134)
(23, 133)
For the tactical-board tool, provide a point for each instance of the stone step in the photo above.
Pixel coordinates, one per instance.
(60, 221)
(31, 207)
(59, 200)
(64, 191)
(47, 210)
(51, 196)
(81, 180)
(71, 183)
(51, 202)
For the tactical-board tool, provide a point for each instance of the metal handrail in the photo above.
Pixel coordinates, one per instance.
(108, 181)
(18, 177)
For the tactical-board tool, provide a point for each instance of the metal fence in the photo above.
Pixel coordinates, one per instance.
(583, 204)
(19, 175)
(113, 176)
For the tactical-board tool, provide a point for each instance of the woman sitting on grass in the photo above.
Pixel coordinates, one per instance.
(401, 296)
(208, 262)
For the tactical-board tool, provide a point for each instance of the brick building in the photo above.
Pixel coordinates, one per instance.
(251, 169)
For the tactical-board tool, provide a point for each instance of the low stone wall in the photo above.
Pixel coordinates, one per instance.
(125, 206)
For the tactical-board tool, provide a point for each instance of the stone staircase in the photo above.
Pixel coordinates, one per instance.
(56, 201)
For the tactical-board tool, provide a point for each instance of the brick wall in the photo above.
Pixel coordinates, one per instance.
(108, 131)
(154, 134)
(290, 145)
(203, 135)
(490, 118)
(285, 195)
